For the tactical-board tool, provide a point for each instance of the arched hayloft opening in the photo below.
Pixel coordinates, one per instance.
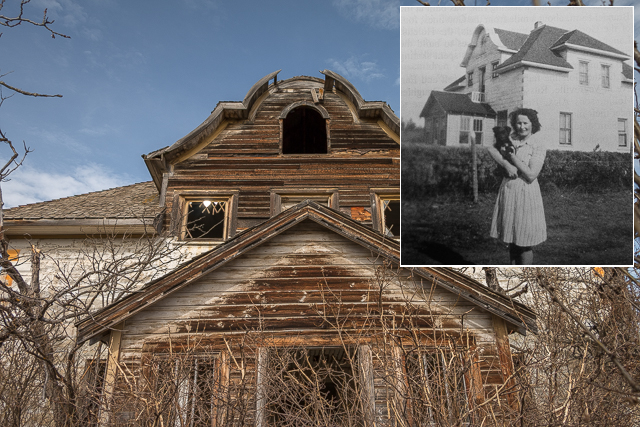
(304, 130)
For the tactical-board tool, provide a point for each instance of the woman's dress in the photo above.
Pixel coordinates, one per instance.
(518, 216)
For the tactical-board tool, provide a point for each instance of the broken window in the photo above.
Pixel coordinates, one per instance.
(206, 219)
(385, 210)
(304, 131)
(437, 389)
(306, 385)
(391, 213)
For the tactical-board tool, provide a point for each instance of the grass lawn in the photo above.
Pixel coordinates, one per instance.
(582, 229)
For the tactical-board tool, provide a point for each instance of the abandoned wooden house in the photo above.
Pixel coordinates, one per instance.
(293, 309)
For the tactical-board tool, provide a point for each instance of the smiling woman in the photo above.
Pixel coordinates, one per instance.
(518, 217)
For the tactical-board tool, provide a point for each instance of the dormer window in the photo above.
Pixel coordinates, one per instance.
(206, 219)
(385, 209)
(304, 131)
(208, 216)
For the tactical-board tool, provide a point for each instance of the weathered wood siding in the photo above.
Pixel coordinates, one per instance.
(246, 156)
(291, 288)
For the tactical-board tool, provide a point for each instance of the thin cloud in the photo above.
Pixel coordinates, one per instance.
(71, 14)
(30, 185)
(355, 68)
(382, 14)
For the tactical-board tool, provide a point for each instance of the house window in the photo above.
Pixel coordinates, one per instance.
(502, 118)
(208, 216)
(470, 79)
(183, 388)
(565, 128)
(604, 69)
(385, 204)
(494, 65)
(477, 129)
(305, 385)
(206, 219)
(465, 128)
(584, 72)
(436, 388)
(483, 73)
(622, 132)
(304, 131)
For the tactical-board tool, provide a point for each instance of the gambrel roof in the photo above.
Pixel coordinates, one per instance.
(159, 161)
(519, 316)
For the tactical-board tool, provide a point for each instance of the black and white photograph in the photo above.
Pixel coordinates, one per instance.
(516, 136)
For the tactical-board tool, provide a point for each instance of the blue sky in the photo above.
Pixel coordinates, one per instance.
(138, 75)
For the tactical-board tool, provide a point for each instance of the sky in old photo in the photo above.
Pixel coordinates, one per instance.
(431, 53)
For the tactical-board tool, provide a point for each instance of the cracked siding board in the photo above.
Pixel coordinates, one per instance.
(277, 287)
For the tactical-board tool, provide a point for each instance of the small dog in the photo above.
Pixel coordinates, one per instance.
(503, 143)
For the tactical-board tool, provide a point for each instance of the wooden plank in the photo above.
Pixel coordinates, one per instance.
(111, 374)
(506, 362)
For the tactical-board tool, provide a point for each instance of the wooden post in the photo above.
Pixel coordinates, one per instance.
(506, 362)
(474, 164)
(365, 360)
(111, 374)
(261, 398)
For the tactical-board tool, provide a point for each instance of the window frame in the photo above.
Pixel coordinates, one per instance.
(378, 206)
(465, 129)
(623, 133)
(469, 78)
(494, 65)
(583, 72)
(479, 129)
(230, 220)
(565, 131)
(605, 77)
(318, 109)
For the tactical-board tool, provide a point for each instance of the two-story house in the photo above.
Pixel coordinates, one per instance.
(294, 304)
(580, 86)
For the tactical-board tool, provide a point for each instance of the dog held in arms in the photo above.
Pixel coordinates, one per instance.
(503, 143)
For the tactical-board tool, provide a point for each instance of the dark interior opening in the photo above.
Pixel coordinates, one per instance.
(304, 131)
(392, 217)
(317, 380)
(205, 220)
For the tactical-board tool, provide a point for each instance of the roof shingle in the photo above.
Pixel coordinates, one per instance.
(132, 201)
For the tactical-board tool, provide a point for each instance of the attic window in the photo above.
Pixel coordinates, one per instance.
(206, 216)
(206, 219)
(304, 131)
(386, 213)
